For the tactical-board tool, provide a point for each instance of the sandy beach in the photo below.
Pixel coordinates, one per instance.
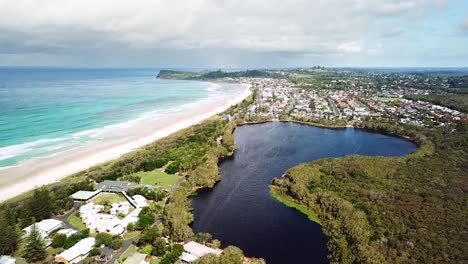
(41, 171)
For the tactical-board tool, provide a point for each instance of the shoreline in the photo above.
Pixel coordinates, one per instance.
(37, 172)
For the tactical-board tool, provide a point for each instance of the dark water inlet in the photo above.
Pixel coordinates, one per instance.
(239, 209)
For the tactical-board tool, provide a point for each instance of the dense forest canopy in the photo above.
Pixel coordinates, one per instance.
(391, 210)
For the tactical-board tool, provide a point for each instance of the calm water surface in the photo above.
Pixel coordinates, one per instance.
(240, 211)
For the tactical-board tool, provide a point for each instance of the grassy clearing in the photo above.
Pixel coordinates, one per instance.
(276, 193)
(129, 252)
(76, 222)
(110, 198)
(157, 178)
(129, 235)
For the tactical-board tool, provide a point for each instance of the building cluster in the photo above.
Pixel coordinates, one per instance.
(356, 99)
(49, 227)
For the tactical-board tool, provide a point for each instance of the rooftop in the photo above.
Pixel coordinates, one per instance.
(7, 260)
(45, 226)
(199, 250)
(114, 186)
(79, 249)
(85, 195)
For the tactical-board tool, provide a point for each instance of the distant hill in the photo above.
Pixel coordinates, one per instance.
(211, 75)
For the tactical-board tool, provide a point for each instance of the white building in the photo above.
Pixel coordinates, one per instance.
(194, 250)
(7, 260)
(140, 201)
(45, 227)
(76, 253)
(67, 232)
(120, 208)
(92, 216)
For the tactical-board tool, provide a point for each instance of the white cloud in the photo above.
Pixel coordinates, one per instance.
(293, 26)
(350, 47)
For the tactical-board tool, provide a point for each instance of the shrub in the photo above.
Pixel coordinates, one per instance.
(95, 252)
(147, 249)
(72, 240)
(173, 167)
(116, 244)
(103, 239)
(59, 240)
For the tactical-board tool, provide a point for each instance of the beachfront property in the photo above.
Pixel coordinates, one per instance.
(45, 227)
(76, 253)
(84, 196)
(114, 186)
(94, 217)
(194, 250)
(7, 260)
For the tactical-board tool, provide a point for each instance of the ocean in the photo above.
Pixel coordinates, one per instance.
(45, 111)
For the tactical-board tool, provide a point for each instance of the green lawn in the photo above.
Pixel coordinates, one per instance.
(110, 198)
(129, 252)
(129, 235)
(157, 178)
(76, 222)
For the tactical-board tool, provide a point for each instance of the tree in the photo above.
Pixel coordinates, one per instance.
(131, 227)
(145, 218)
(159, 247)
(95, 252)
(147, 249)
(9, 237)
(203, 238)
(59, 240)
(40, 204)
(103, 239)
(148, 236)
(216, 243)
(116, 244)
(72, 240)
(35, 247)
(232, 255)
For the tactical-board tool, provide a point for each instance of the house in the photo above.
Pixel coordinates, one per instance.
(7, 260)
(114, 186)
(84, 196)
(45, 227)
(194, 250)
(67, 232)
(76, 253)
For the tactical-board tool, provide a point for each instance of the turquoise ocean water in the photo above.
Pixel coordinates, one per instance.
(46, 111)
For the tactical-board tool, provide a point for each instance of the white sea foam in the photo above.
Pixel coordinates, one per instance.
(43, 147)
(21, 149)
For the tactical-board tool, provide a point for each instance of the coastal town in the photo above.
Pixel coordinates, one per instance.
(121, 215)
(357, 99)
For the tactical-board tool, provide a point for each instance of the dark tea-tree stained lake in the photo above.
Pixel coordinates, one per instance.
(239, 209)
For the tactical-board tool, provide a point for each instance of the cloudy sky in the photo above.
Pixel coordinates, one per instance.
(233, 33)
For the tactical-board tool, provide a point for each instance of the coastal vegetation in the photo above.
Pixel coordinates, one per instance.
(210, 75)
(193, 152)
(389, 210)
(374, 209)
